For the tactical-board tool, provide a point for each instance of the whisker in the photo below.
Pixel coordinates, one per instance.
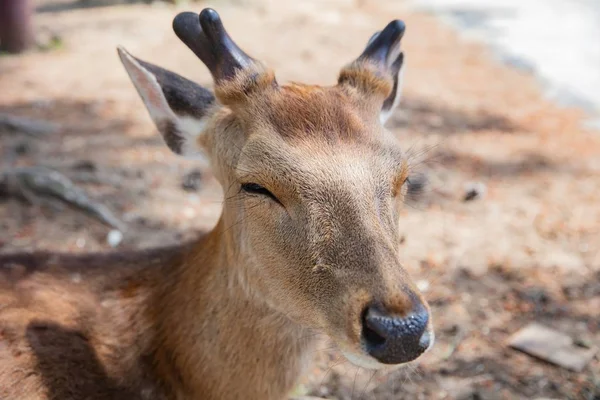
(324, 349)
(354, 383)
(335, 364)
(369, 382)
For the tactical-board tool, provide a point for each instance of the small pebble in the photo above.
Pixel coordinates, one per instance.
(474, 191)
(114, 238)
(22, 148)
(85, 165)
(76, 277)
(192, 181)
(423, 285)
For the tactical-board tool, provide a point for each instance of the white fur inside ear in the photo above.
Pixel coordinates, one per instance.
(191, 128)
(187, 129)
(148, 88)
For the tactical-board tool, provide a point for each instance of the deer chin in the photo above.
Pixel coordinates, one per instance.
(360, 358)
(363, 360)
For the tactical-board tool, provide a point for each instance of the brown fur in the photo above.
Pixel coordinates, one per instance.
(232, 316)
(368, 78)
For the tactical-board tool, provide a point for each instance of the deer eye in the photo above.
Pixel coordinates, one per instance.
(255, 188)
(399, 185)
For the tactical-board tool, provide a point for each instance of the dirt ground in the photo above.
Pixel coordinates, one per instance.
(526, 251)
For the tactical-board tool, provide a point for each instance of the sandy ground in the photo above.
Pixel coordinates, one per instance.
(527, 251)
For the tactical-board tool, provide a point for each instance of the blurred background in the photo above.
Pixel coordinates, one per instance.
(500, 116)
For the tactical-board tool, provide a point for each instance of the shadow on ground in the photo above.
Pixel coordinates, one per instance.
(431, 118)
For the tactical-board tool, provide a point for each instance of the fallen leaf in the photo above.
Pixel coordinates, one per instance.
(551, 346)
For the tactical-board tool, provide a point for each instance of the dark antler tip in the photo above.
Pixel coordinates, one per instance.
(183, 21)
(210, 16)
(396, 27)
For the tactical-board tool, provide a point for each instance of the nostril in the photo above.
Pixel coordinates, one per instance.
(369, 332)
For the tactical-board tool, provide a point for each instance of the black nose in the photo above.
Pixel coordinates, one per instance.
(392, 339)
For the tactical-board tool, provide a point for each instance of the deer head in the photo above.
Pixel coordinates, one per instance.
(313, 184)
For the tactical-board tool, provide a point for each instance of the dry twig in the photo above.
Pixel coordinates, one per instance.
(27, 181)
(29, 126)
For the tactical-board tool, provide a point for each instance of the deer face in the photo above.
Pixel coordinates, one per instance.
(313, 184)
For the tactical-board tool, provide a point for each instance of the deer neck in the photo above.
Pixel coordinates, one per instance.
(216, 337)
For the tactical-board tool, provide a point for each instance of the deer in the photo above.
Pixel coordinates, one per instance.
(307, 244)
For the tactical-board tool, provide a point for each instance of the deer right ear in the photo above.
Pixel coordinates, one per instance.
(178, 106)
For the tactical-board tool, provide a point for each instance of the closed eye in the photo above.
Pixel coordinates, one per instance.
(399, 184)
(256, 189)
(400, 180)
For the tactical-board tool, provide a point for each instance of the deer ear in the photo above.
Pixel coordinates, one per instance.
(178, 106)
(377, 72)
(392, 101)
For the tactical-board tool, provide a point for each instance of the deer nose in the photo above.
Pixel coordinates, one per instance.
(393, 339)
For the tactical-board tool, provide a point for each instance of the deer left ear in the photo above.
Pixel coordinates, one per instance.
(392, 101)
(179, 107)
(377, 72)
